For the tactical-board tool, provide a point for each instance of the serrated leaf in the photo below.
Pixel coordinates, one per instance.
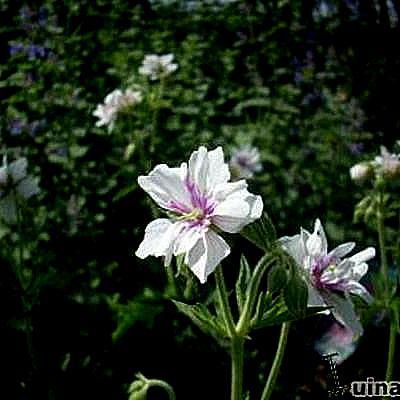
(261, 233)
(242, 282)
(276, 313)
(203, 319)
(277, 278)
(296, 294)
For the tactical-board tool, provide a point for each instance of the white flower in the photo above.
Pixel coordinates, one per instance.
(387, 164)
(338, 339)
(245, 161)
(330, 277)
(15, 183)
(115, 102)
(199, 198)
(360, 172)
(156, 67)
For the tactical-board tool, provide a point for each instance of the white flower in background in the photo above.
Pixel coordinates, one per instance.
(115, 102)
(245, 161)
(156, 67)
(199, 199)
(387, 164)
(361, 172)
(330, 277)
(338, 339)
(15, 184)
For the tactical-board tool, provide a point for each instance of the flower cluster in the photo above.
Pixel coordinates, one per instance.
(157, 67)
(115, 102)
(15, 184)
(386, 166)
(330, 277)
(199, 199)
(245, 162)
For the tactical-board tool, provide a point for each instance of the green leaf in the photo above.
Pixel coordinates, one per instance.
(242, 282)
(261, 233)
(204, 320)
(296, 294)
(277, 278)
(274, 311)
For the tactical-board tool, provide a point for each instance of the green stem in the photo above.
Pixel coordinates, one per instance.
(273, 374)
(164, 385)
(237, 356)
(259, 271)
(224, 302)
(391, 349)
(382, 247)
(236, 341)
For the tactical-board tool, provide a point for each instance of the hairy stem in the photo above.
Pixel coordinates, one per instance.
(273, 374)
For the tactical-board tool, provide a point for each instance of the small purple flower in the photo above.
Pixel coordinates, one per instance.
(356, 148)
(16, 127)
(16, 48)
(43, 16)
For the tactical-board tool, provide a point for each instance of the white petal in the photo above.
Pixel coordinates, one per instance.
(343, 311)
(207, 253)
(154, 242)
(198, 168)
(225, 190)
(17, 169)
(317, 244)
(294, 246)
(165, 185)
(218, 170)
(314, 298)
(363, 256)
(342, 250)
(234, 213)
(359, 290)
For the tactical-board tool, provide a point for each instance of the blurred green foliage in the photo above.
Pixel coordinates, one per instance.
(286, 77)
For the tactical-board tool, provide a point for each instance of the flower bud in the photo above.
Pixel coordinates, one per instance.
(360, 172)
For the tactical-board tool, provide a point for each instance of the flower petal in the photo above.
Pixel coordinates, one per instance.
(363, 256)
(294, 246)
(166, 185)
(198, 168)
(317, 244)
(359, 290)
(206, 254)
(154, 242)
(236, 212)
(218, 170)
(343, 311)
(342, 250)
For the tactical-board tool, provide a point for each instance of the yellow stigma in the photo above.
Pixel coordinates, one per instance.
(196, 213)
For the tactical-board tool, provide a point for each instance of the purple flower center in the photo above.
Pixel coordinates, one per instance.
(200, 210)
(321, 265)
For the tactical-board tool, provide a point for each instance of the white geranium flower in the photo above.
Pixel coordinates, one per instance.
(15, 183)
(387, 164)
(156, 67)
(330, 277)
(245, 161)
(199, 198)
(115, 102)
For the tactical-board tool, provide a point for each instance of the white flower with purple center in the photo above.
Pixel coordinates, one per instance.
(115, 102)
(330, 277)
(157, 67)
(199, 199)
(245, 162)
(387, 164)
